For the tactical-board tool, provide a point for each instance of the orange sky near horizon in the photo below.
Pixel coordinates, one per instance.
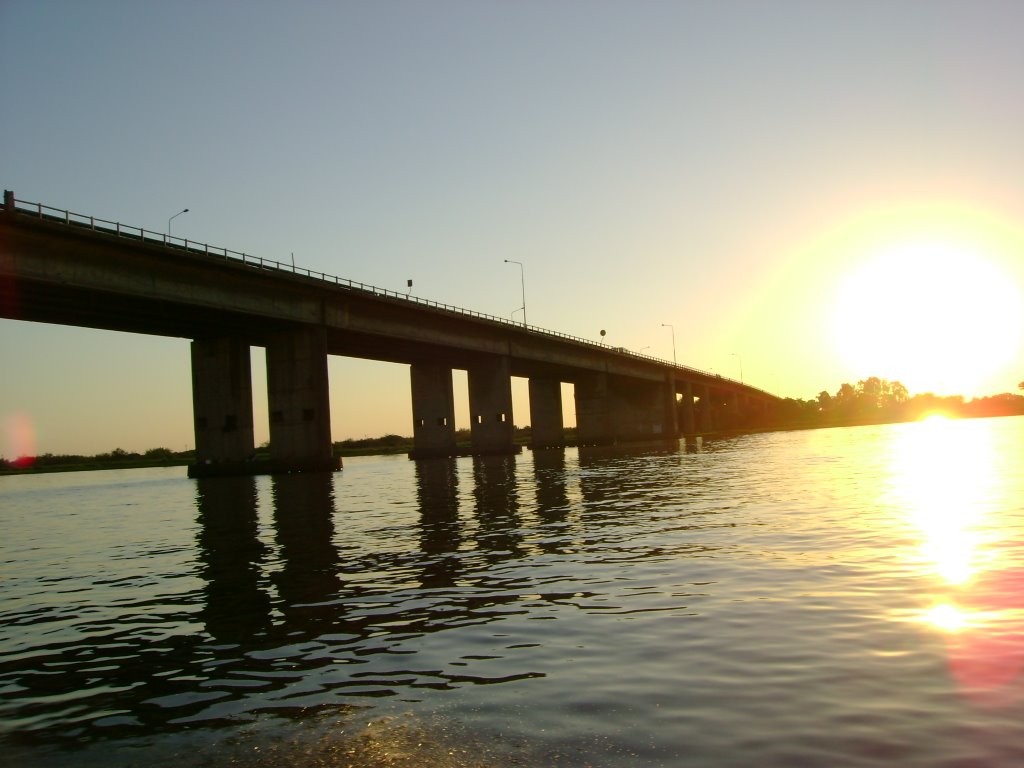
(928, 294)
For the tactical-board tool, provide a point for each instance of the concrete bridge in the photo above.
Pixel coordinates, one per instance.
(65, 268)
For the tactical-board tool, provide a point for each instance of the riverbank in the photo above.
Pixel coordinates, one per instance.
(395, 444)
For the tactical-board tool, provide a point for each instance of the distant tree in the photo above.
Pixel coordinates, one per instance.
(846, 393)
(870, 392)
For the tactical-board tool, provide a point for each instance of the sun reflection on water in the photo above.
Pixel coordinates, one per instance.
(947, 617)
(944, 487)
(943, 477)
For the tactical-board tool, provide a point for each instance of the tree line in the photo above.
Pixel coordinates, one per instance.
(877, 401)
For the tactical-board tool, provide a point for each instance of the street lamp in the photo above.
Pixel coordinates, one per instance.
(173, 218)
(522, 281)
(669, 325)
(740, 358)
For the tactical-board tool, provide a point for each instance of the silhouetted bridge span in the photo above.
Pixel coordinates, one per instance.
(60, 267)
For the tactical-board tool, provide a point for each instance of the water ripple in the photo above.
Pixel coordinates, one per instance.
(787, 599)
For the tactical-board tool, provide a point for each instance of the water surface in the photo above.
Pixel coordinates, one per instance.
(828, 597)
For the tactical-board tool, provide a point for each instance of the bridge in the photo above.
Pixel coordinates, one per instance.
(66, 268)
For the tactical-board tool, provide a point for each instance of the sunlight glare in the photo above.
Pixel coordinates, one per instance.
(946, 617)
(943, 485)
(934, 315)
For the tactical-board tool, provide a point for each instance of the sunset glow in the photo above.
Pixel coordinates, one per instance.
(935, 315)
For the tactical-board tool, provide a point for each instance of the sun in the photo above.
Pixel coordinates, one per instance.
(937, 316)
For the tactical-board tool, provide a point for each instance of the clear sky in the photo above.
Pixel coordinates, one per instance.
(810, 192)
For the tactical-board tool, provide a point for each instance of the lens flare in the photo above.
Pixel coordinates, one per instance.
(19, 439)
(945, 482)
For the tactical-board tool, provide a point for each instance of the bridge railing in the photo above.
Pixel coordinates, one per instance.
(77, 220)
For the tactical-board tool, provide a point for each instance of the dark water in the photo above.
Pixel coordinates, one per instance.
(832, 597)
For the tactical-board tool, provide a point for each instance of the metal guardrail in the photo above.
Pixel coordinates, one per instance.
(62, 216)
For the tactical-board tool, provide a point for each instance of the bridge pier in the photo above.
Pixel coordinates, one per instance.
(735, 409)
(222, 401)
(686, 404)
(299, 401)
(592, 410)
(433, 410)
(546, 426)
(670, 409)
(640, 411)
(616, 409)
(490, 406)
(702, 414)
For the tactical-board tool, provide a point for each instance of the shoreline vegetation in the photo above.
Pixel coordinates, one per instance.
(870, 401)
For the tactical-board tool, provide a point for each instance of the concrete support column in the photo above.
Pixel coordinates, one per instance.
(689, 427)
(735, 409)
(638, 410)
(299, 401)
(433, 410)
(670, 413)
(615, 409)
(546, 413)
(593, 423)
(714, 410)
(222, 400)
(490, 406)
(703, 411)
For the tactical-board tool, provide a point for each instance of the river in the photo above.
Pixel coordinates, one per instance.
(835, 597)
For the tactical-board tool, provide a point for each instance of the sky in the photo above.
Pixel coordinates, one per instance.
(795, 193)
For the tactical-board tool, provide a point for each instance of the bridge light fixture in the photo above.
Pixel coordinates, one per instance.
(185, 210)
(740, 358)
(522, 281)
(669, 325)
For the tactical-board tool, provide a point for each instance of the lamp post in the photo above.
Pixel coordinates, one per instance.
(173, 218)
(669, 325)
(522, 283)
(740, 358)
